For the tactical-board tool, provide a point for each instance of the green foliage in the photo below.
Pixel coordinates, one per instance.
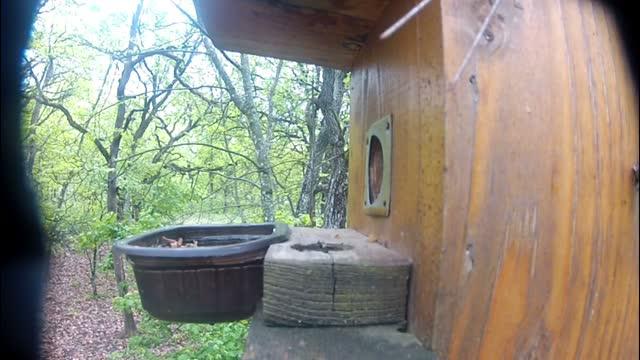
(53, 225)
(223, 341)
(195, 162)
(101, 230)
(106, 263)
(303, 220)
(215, 342)
(129, 302)
(157, 339)
(147, 221)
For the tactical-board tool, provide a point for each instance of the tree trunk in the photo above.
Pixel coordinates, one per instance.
(266, 184)
(306, 202)
(93, 263)
(335, 211)
(112, 176)
(326, 151)
(112, 191)
(31, 148)
(262, 143)
(118, 265)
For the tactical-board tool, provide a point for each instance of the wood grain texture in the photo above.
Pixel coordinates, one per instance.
(512, 153)
(511, 182)
(540, 250)
(315, 34)
(362, 284)
(362, 9)
(403, 76)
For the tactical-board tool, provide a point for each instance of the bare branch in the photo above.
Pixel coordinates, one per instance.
(195, 23)
(193, 144)
(73, 123)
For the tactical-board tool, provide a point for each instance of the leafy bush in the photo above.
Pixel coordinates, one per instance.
(129, 302)
(103, 230)
(212, 342)
(158, 339)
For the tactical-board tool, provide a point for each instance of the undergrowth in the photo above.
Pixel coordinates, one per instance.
(157, 339)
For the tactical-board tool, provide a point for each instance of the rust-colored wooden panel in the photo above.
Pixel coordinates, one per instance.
(540, 246)
(285, 31)
(362, 9)
(403, 76)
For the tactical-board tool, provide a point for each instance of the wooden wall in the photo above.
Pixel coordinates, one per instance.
(540, 251)
(403, 76)
(511, 178)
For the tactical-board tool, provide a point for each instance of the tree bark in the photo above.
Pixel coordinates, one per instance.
(31, 149)
(118, 265)
(93, 264)
(112, 175)
(335, 207)
(306, 202)
(335, 213)
(326, 151)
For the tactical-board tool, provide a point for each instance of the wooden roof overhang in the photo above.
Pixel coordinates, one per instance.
(322, 32)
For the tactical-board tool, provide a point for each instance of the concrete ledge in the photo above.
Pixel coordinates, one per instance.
(382, 342)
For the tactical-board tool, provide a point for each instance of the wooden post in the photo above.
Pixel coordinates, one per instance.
(326, 277)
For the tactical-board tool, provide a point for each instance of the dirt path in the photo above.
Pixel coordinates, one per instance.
(77, 326)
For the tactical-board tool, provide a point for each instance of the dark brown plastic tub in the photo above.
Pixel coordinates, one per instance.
(220, 280)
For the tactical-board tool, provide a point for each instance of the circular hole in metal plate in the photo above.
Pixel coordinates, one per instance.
(375, 167)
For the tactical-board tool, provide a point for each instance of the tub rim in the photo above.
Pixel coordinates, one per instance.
(280, 234)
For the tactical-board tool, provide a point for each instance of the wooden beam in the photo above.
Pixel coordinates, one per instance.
(284, 31)
(363, 9)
